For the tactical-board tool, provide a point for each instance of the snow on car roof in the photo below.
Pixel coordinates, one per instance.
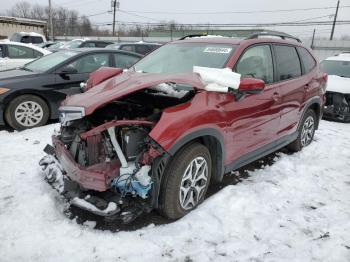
(30, 34)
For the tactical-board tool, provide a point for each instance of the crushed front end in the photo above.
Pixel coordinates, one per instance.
(337, 107)
(105, 162)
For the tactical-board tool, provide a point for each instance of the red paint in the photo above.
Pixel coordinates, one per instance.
(96, 177)
(101, 75)
(251, 84)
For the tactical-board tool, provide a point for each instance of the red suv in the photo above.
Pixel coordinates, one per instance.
(155, 136)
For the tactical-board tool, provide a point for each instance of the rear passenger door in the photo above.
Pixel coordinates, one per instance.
(291, 84)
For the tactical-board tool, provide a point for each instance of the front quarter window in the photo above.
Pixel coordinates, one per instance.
(181, 57)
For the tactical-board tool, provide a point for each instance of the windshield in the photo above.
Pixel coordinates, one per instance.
(49, 61)
(73, 44)
(57, 45)
(338, 68)
(181, 57)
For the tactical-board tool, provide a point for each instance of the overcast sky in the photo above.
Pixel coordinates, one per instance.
(145, 8)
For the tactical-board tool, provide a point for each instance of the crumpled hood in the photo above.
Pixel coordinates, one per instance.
(338, 84)
(124, 84)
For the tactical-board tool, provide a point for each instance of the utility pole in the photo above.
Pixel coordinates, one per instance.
(114, 4)
(50, 21)
(334, 21)
(313, 39)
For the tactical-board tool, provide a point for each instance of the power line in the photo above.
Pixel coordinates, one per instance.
(340, 22)
(236, 12)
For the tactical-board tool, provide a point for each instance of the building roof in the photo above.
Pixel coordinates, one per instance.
(22, 21)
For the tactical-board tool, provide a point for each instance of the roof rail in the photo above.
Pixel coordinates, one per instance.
(278, 34)
(193, 35)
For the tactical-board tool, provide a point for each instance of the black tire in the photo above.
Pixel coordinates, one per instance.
(169, 199)
(298, 144)
(30, 119)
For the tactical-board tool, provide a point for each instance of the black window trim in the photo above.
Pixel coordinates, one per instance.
(272, 57)
(300, 63)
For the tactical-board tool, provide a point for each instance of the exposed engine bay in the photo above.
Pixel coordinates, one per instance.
(105, 162)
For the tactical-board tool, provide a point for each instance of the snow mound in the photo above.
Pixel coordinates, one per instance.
(218, 79)
(297, 209)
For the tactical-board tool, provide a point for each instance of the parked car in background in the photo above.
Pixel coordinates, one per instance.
(14, 54)
(83, 43)
(48, 44)
(155, 137)
(338, 87)
(30, 95)
(139, 47)
(28, 38)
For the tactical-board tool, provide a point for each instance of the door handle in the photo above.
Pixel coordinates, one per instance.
(276, 96)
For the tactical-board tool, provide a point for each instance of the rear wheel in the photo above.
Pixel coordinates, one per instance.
(306, 131)
(27, 111)
(185, 181)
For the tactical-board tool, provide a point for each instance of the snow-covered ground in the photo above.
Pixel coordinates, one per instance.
(297, 209)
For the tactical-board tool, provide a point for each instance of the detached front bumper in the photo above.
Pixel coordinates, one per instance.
(76, 183)
(337, 107)
(97, 177)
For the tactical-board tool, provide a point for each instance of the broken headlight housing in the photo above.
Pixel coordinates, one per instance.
(70, 113)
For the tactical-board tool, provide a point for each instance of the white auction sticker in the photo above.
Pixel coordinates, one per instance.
(218, 50)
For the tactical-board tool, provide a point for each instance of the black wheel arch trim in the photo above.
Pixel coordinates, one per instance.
(205, 132)
(312, 101)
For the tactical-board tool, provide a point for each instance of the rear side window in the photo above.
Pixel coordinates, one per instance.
(125, 61)
(287, 61)
(101, 44)
(88, 44)
(20, 52)
(141, 49)
(307, 59)
(256, 62)
(129, 48)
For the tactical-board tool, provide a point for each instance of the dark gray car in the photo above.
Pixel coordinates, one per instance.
(31, 95)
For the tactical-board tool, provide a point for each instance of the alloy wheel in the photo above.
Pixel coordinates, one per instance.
(29, 113)
(307, 131)
(193, 183)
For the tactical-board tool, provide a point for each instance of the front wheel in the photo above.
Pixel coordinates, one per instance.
(185, 181)
(27, 111)
(306, 131)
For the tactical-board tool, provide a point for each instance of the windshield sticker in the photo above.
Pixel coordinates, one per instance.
(217, 50)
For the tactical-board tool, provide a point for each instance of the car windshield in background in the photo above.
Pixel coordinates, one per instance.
(47, 62)
(73, 44)
(338, 68)
(181, 57)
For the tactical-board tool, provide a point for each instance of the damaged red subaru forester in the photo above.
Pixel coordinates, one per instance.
(155, 136)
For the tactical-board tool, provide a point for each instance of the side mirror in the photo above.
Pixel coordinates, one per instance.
(67, 70)
(251, 86)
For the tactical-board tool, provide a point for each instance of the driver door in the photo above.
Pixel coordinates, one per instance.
(255, 117)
